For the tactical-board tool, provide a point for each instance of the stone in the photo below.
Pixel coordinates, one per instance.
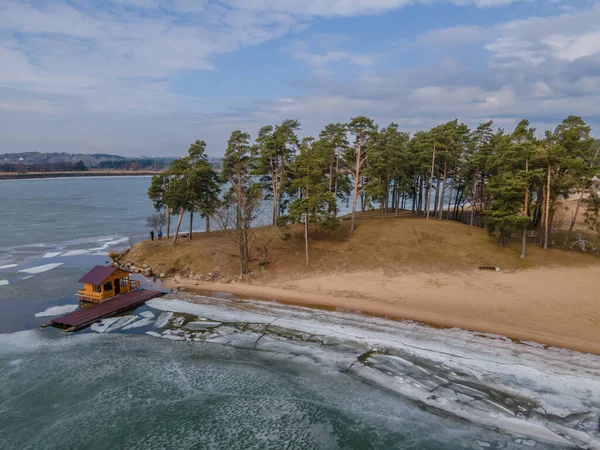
(148, 272)
(145, 266)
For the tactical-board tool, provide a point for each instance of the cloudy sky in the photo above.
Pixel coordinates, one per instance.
(147, 77)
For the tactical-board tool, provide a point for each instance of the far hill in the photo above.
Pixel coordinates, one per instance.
(52, 162)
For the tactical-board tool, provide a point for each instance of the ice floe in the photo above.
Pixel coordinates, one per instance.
(52, 254)
(147, 314)
(163, 319)
(40, 269)
(8, 266)
(76, 252)
(56, 310)
(122, 322)
(546, 395)
(104, 324)
(140, 323)
(3, 282)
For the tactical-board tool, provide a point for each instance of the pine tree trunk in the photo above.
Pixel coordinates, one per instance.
(281, 168)
(168, 214)
(191, 224)
(441, 216)
(436, 198)
(547, 212)
(274, 186)
(472, 220)
(337, 170)
(178, 226)
(355, 196)
(526, 212)
(207, 223)
(450, 207)
(306, 236)
(431, 180)
(331, 158)
(414, 186)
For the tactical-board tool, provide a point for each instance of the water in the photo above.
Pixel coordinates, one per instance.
(253, 374)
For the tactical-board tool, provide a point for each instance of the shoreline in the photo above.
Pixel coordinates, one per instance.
(483, 308)
(46, 175)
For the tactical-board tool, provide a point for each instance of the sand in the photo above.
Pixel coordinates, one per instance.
(553, 306)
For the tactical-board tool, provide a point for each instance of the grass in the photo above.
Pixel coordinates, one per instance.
(395, 244)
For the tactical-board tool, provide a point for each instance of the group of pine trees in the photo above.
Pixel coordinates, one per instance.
(507, 182)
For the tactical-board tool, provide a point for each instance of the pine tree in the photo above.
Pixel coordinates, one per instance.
(244, 194)
(314, 204)
(363, 129)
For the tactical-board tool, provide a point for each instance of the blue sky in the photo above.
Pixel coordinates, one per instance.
(147, 77)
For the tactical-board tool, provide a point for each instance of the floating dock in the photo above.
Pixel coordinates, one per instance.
(85, 317)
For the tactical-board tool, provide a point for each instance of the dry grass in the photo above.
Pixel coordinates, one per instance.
(396, 244)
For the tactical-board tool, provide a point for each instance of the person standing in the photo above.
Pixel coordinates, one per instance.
(159, 235)
(152, 234)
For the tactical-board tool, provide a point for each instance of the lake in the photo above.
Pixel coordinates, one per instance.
(300, 384)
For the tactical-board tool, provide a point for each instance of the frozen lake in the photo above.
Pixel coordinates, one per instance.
(188, 371)
(199, 372)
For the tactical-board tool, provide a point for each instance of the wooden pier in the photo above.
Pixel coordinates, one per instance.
(85, 317)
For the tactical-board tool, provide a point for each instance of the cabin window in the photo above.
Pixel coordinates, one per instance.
(97, 288)
(108, 286)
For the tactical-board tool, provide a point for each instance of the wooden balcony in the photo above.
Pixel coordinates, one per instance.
(98, 297)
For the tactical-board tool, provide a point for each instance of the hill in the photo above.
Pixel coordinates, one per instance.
(404, 243)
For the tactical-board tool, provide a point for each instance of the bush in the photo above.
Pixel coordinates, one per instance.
(330, 224)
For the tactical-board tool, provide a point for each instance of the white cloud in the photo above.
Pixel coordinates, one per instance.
(332, 8)
(533, 41)
(75, 75)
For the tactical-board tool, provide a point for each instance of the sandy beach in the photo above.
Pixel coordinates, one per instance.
(552, 306)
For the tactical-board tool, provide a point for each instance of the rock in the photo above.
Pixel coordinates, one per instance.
(162, 275)
(148, 272)
(145, 266)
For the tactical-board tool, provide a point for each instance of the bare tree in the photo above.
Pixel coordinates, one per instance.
(236, 215)
(156, 221)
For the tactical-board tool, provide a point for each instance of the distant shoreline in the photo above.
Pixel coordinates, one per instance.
(88, 173)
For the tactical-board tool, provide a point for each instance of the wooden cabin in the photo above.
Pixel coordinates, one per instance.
(104, 282)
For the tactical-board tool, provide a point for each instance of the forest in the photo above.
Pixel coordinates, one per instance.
(510, 183)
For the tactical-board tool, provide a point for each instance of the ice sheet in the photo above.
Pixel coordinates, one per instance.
(523, 389)
(139, 324)
(76, 253)
(104, 324)
(8, 266)
(40, 269)
(56, 311)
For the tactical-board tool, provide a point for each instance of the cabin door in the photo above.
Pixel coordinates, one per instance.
(117, 286)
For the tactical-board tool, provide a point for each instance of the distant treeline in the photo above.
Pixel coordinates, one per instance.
(68, 162)
(136, 164)
(43, 167)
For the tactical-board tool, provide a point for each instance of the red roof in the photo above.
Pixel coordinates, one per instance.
(97, 275)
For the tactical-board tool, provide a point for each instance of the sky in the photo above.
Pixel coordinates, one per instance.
(148, 77)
